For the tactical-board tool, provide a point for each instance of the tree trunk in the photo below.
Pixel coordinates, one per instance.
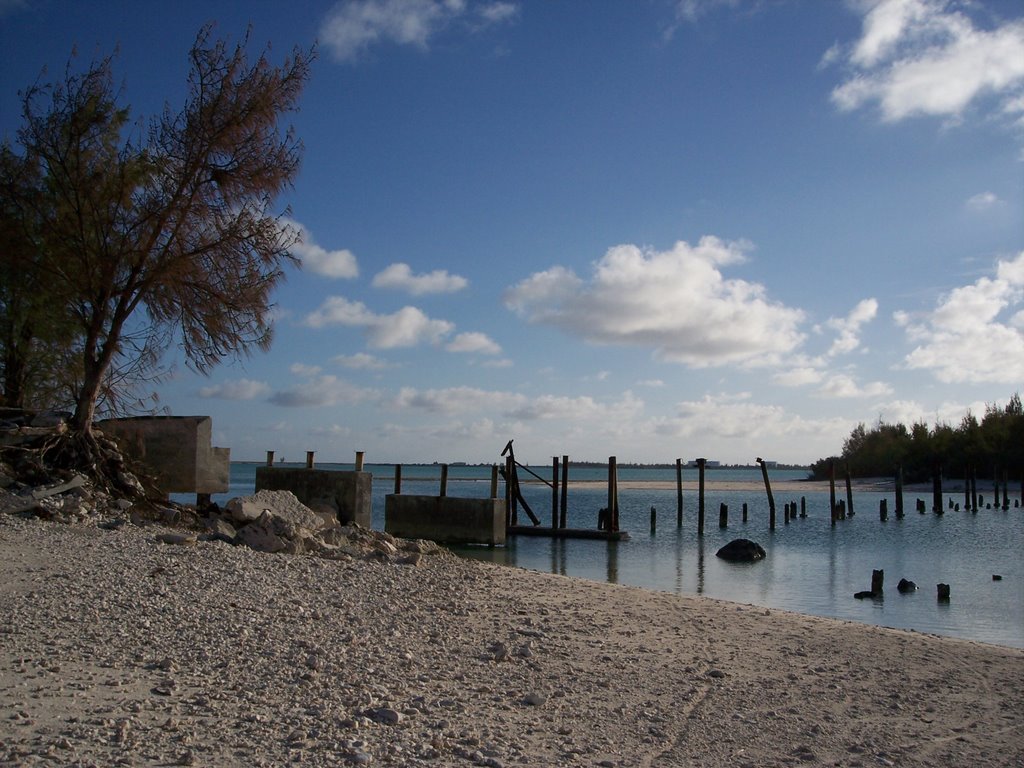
(85, 404)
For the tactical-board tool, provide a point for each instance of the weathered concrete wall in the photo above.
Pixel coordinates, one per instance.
(445, 519)
(348, 493)
(176, 450)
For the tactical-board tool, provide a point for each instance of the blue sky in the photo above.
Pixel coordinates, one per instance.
(650, 229)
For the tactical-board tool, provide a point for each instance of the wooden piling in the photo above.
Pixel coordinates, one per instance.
(899, 491)
(360, 455)
(613, 494)
(943, 592)
(768, 490)
(511, 504)
(849, 492)
(564, 504)
(270, 458)
(832, 490)
(785, 512)
(654, 519)
(723, 515)
(554, 492)
(700, 496)
(803, 506)
(309, 459)
(679, 493)
(877, 579)
(744, 511)
(444, 480)
(398, 479)
(494, 481)
(883, 510)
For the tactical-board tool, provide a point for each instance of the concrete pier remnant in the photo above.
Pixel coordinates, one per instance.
(347, 495)
(175, 450)
(445, 519)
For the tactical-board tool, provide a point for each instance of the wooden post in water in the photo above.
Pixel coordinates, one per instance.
(803, 506)
(849, 492)
(563, 511)
(744, 511)
(883, 510)
(511, 505)
(613, 494)
(832, 490)
(899, 491)
(359, 460)
(785, 512)
(398, 479)
(270, 458)
(554, 492)
(723, 515)
(654, 520)
(679, 493)
(309, 459)
(444, 480)
(494, 481)
(700, 496)
(768, 490)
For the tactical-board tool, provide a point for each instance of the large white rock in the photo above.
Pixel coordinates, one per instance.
(280, 505)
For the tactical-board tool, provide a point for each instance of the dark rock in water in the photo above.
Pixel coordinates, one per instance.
(741, 551)
(865, 594)
(996, 577)
(905, 586)
(943, 592)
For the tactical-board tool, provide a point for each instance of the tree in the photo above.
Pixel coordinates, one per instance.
(150, 236)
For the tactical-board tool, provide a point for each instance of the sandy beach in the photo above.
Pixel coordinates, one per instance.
(117, 649)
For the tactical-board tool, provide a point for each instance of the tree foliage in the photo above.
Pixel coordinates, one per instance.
(136, 236)
(992, 446)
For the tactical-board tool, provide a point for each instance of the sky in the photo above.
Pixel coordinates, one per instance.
(649, 229)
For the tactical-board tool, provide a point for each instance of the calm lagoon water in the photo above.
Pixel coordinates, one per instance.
(811, 567)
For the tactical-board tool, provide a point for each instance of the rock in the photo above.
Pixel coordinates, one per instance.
(865, 594)
(535, 699)
(282, 506)
(996, 577)
(177, 538)
(741, 551)
(219, 526)
(905, 586)
(385, 715)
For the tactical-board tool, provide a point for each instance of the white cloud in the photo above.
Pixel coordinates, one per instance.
(323, 390)
(676, 302)
(352, 26)
(927, 57)
(963, 339)
(841, 385)
(983, 201)
(502, 363)
(457, 399)
(362, 361)
(848, 338)
(407, 327)
(400, 276)
(475, 342)
(240, 389)
(798, 377)
(339, 264)
(301, 369)
(653, 383)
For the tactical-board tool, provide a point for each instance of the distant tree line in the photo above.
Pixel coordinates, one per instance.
(992, 446)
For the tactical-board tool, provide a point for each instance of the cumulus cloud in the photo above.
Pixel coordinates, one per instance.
(841, 385)
(401, 277)
(323, 390)
(407, 327)
(240, 389)
(518, 406)
(353, 26)
(928, 57)
(798, 377)
(848, 328)
(475, 342)
(338, 264)
(735, 416)
(676, 302)
(983, 201)
(976, 332)
(362, 361)
(301, 369)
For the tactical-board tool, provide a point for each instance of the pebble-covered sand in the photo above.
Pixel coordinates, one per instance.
(117, 649)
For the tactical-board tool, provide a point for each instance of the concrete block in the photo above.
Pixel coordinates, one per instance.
(348, 493)
(445, 519)
(175, 450)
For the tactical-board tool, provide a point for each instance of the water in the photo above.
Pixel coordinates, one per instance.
(811, 567)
